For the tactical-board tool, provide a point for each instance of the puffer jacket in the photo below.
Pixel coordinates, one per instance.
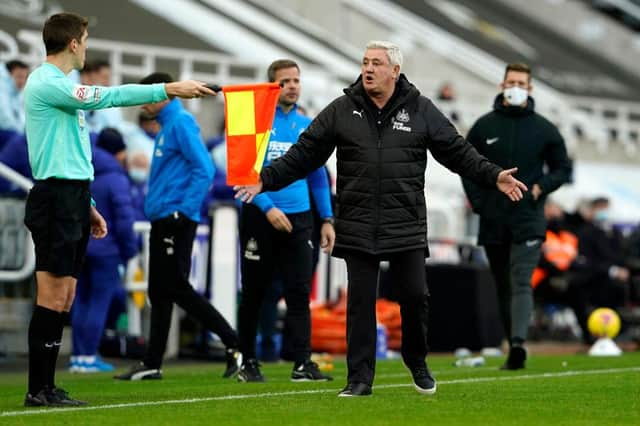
(112, 193)
(512, 136)
(381, 163)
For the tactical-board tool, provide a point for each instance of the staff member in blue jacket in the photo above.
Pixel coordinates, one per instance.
(181, 172)
(275, 233)
(60, 212)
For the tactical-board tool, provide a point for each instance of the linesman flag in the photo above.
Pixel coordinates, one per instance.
(248, 114)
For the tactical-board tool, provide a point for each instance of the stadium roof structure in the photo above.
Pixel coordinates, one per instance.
(511, 35)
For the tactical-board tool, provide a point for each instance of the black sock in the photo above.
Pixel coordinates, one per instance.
(43, 333)
(53, 356)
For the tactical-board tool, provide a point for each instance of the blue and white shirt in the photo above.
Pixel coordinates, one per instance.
(295, 197)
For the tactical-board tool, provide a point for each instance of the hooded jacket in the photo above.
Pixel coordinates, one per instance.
(512, 136)
(381, 162)
(181, 168)
(112, 193)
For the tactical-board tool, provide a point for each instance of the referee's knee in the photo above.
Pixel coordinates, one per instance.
(53, 302)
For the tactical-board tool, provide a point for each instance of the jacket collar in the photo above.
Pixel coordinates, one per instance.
(280, 111)
(166, 113)
(404, 92)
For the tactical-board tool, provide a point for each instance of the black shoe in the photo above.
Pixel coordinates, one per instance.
(423, 381)
(250, 371)
(355, 389)
(140, 372)
(61, 398)
(516, 359)
(55, 397)
(37, 400)
(234, 361)
(308, 372)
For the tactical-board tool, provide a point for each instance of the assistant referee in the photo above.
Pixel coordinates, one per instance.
(60, 212)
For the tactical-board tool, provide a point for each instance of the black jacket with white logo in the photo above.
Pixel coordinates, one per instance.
(517, 137)
(381, 162)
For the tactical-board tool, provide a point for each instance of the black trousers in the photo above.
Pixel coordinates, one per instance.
(171, 242)
(263, 251)
(407, 273)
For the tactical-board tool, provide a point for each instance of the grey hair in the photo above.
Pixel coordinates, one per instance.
(392, 50)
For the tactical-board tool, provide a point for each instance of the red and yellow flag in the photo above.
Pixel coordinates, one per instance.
(248, 114)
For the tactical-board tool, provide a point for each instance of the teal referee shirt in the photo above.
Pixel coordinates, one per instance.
(57, 133)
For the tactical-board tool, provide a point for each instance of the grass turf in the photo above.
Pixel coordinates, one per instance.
(554, 390)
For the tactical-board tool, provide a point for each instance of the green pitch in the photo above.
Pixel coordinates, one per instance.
(553, 390)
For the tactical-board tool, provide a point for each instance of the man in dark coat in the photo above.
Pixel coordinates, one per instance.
(514, 134)
(382, 128)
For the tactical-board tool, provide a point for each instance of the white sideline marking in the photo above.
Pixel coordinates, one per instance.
(435, 372)
(316, 391)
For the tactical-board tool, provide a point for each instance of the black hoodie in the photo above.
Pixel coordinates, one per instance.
(512, 136)
(381, 161)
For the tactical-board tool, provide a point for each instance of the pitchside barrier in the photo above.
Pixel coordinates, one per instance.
(462, 292)
(463, 303)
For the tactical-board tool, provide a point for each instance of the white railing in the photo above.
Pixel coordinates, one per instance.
(621, 118)
(568, 113)
(135, 61)
(29, 264)
(592, 116)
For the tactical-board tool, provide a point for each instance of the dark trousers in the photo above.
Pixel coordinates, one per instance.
(407, 273)
(512, 265)
(171, 244)
(263, 251)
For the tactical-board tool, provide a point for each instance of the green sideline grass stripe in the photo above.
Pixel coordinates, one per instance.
(316, 391)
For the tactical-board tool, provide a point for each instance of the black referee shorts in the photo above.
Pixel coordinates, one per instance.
(57, 214)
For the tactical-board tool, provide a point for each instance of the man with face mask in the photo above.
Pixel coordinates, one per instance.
(602, 273)
(138, 168)
(513, 134)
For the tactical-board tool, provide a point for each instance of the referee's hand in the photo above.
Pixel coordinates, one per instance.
(188, 89)
(98, 224)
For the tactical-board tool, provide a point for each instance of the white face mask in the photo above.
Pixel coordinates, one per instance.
(138, 175)
(515, 96)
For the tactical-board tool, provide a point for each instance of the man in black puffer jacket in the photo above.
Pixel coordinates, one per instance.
(513, 134)
(382, 128)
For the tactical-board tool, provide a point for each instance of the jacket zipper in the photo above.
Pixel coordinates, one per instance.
(379, 181)
(377, 123)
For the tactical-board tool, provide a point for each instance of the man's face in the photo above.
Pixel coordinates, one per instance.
(19, 76)
(517, 79)
(138, 160)
(86, 78)
(553, 211)
(121, 157)
(102, 76)
(378, 76)
(150, 127)
(289, 79)
(79, 50)
(154, 109)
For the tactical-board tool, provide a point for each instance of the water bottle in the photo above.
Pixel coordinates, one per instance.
(381, 341)
(475, 361)
(462, 353)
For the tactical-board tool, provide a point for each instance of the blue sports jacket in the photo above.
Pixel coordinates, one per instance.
(181, 168)
(295, 197)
